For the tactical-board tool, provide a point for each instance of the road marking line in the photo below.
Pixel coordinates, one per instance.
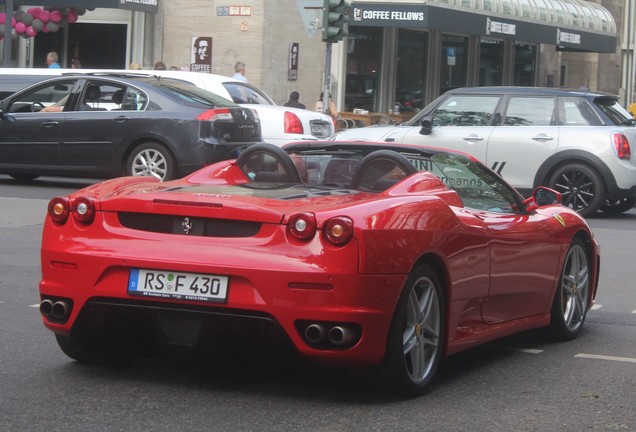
(597, 306)
(34, 305)
(611, 358)
(634, 311)
(521, 350)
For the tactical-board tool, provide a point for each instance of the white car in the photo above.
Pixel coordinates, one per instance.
(279, 124)
(579, 143)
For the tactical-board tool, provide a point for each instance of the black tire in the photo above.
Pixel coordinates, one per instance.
(618, 206)
(572, 296)
(417, 335)
(581, 186)
(24, 177)
(83, 353)
(151, 160)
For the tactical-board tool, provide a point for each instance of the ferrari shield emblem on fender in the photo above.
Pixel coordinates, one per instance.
(557, 217)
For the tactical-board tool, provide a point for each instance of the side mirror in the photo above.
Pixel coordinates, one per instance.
(427, 125)
(542, 196)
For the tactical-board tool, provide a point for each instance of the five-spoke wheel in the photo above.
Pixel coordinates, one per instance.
(416, 339)
(572, 296)
(581, 187)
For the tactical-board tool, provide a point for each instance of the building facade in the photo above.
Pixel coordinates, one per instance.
(397, 51)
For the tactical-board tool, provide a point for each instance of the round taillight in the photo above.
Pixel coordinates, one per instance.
(339, 230)
(83, 210)
(58, 210)
(302, 226)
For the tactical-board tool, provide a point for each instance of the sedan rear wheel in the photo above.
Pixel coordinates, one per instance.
(416, 338)
(581, 187)
(569, 307)
(151, 160)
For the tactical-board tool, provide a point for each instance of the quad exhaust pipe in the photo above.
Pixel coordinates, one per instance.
(55, 310)
(331, 335)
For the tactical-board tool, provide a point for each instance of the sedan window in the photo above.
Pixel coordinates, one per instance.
(51, 95)
(460, 110)
(246, 94)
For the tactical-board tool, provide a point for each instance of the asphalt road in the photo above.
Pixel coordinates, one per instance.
(522, 383)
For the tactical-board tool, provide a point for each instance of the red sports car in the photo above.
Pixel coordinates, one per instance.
(359, 254)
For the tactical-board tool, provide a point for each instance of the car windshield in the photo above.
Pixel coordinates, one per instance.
(246, 94)
(192, 95)
(614, 111)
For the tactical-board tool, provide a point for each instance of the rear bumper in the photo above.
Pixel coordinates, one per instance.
(264, 287)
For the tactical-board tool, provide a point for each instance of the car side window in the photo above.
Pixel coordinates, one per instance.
(461, 110)
(49, 96)
(530, 111)
(577, 112)
(102, 96)
(478, 188)
(244, 94)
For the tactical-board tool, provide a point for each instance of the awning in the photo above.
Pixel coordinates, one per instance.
(151, 6)
(590, 28)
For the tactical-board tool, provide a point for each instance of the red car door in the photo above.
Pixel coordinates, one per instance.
(524, 259)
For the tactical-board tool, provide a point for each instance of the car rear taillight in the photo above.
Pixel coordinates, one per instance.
(58, 210)
(621, 145)
(215, 114)
(293, 123)
(83, 210)
(302, 226)
(339, 230)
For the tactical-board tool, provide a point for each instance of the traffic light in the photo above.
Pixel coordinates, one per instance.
(335, 17)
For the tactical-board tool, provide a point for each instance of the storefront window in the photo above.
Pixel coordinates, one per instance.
(411, 69)
(525, 65)
(454, 62)
(491, 57)
(363, 68)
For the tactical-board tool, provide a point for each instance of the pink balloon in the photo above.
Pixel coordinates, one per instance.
(20, 27)
(34, 12)
(45, 16)
(55, 16)
(45, 29)
(3, 18)
(71, 17)
(30, 31)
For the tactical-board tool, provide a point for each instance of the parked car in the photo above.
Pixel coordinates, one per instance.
(358, 254)
(107, 126)
(279, 124)
(576, 142)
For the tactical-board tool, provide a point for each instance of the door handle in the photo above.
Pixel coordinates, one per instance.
(542, 137)
(122, 119)
(50, 123)
(473, 137)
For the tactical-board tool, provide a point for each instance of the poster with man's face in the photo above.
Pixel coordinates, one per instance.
(201, 58)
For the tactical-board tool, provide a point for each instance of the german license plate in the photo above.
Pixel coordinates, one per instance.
(177, 285)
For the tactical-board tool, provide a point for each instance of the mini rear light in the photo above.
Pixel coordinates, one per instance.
(302, 226)
(339, 230)
(293, 123)
(83, 210)
(215, 114)
(621, 145)
(58, 210)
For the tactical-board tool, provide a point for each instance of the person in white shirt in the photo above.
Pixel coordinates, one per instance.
(239, 68)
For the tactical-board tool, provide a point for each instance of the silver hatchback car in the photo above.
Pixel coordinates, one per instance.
(576, 142)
